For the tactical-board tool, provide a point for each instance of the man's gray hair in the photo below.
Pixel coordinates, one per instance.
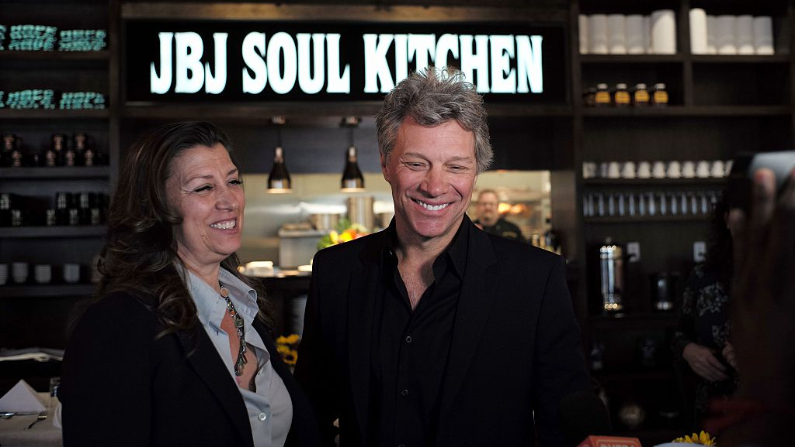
(432, 97)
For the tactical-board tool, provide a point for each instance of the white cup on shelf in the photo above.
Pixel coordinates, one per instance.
(702, 169)
(688, 169)
(674, 170)
(614, 170)
(42, 273)
(71, 273)
(629, 171)
(603, 170)
(588, 169)
(19, 271)
(644, 169)
(718, 170)
(658, 169)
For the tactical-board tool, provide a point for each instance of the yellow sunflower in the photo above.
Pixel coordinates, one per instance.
(702, 438)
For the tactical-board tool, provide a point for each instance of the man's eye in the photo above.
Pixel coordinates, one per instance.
(236, 182)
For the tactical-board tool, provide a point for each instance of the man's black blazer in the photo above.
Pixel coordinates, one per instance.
(514, 355)
(124, 386)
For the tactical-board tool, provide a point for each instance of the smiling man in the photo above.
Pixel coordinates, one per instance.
(433, 332)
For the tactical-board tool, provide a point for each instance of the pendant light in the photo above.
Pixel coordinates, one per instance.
(352, 178)
(279, 179)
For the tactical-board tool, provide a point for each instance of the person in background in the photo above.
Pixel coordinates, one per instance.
(431, 332)
(176, 349)
(762, 411)
(489, 219)
(702, 335)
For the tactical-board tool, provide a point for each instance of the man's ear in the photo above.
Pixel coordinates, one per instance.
(384, 171)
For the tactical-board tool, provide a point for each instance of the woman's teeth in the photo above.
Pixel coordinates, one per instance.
(228, 225)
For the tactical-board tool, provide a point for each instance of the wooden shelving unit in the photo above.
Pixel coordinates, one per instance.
(47, 307)
(719, 106)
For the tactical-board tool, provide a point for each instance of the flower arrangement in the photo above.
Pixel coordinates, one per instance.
(702, 438)
(288, 348)
(344, 232)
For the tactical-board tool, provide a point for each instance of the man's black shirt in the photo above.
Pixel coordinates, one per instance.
(410, 348)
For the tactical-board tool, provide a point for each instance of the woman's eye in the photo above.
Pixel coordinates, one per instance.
(203, 188)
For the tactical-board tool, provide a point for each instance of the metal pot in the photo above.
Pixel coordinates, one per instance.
(360, 211)
(324, 221)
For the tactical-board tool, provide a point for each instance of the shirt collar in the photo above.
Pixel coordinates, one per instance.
(456, 252)
(209, 303)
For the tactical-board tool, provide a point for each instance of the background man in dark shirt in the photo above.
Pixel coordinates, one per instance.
(433, 332)
(489, 219)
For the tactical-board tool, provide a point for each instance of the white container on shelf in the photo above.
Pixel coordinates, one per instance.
(597, 29)
(647, 35)
(763, 35)
(616, 34)
(636, 42)
(712, 29)
(698, 31)
(582, 21)
(726, 34)
(663, 31)
(745, 35)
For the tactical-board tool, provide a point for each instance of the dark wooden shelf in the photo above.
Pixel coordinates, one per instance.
(519, 110)
(76, 172)
(296, 112)
(53, 232)
(259, 112)
(53, 114)
(631, 58)
(46, 56)
(708, 181)
(721, 59)
(46, 290)
(686, 111)
(587, 59)
(648, 219)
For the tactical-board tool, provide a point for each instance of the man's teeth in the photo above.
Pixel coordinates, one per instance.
(433, 207)
(228, 225)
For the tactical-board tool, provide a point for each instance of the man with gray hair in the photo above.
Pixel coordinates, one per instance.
(433, 332)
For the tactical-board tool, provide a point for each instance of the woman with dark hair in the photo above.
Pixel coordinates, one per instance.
(176, 349)
(702, 335)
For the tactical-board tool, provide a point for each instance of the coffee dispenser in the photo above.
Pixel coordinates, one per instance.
(611, 268)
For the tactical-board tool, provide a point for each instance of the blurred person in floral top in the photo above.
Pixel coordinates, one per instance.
(703, 331)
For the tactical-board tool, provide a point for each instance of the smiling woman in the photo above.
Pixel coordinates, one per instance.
(174, 328)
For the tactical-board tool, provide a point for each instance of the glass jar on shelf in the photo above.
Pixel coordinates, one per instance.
(659, 96)
(621, 96)
(602, 97)
(640, 97)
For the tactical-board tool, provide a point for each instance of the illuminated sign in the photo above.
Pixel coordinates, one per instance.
(299, 61)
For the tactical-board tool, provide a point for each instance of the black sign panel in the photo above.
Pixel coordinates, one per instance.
(247, 61)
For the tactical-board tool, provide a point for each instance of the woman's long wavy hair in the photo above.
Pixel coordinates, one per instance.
(140, 253)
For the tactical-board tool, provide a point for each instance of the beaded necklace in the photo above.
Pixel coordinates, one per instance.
(238, 321)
